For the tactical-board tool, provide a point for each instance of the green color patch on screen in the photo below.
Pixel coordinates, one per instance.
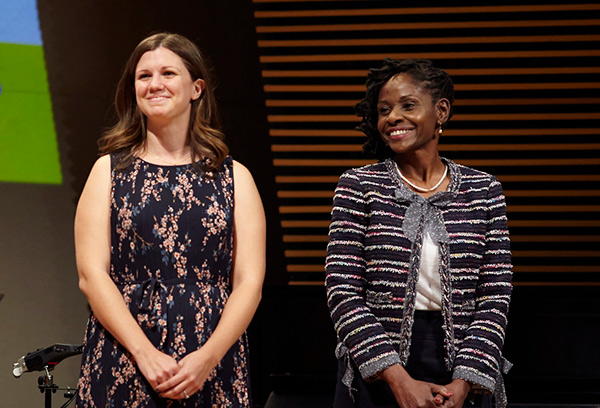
(28, 146)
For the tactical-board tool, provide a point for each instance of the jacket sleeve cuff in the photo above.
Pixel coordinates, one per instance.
(376, 365)
(480, 383)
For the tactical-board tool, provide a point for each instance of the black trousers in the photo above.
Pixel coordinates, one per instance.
(425, 363)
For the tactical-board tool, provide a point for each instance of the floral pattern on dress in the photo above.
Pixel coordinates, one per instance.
(171, 249)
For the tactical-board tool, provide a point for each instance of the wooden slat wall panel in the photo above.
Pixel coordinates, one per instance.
(526, 80)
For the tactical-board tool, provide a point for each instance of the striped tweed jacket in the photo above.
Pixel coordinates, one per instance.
(372, 263)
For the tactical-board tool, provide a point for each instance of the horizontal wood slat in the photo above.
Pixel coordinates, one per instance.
(426, 26)
(517, 254)
(452, 72)
(529, 269)
(502, 178)
(447, 132)
(466, 87)
(471, 163)
(428, 41)
(518, 238)
(443, 148)
(464, 102)
(425, 10)
(507, 193)
(324, 209)
(433, 55)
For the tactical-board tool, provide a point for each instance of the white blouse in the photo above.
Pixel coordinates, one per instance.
(429, 288)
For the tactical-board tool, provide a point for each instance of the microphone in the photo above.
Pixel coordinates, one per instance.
(48, 357)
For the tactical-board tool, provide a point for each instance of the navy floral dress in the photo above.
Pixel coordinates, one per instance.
(171, 249)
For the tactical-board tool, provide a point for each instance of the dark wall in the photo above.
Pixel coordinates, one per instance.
(552, 338)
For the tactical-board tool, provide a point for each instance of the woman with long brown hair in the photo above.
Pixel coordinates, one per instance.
(170, 244)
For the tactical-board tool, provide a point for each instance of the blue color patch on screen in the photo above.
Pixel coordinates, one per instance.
(19, 22)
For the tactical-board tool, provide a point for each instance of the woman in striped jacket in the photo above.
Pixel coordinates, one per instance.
(418, 269)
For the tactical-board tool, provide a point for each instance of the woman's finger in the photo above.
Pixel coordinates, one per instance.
(180, 392)
(441, 390)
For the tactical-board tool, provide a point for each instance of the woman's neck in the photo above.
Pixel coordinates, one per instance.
(166, 146)
(424, 176)
(420, 168)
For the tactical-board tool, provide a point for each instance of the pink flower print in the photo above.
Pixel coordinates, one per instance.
(179, 340)
(215, 221)
(199, 327)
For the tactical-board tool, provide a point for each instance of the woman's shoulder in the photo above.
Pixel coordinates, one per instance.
(241, 174)
(372, 172)
(370, 178)
(470, 171)
(474, 183)
(99, 178)
(235, 165)
(103, 164)
(121, 160)
(376, 167)
(470, 175)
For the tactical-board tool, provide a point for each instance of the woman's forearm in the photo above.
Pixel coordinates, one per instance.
(237, 315)
(110, 309)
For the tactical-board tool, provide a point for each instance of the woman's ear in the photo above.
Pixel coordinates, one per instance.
(198, 89)
(443, 110)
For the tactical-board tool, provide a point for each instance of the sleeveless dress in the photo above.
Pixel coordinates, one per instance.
(171, 258)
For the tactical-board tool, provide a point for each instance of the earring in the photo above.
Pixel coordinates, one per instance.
(440, 130)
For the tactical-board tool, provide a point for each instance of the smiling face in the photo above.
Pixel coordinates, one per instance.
(164, 87)
(407, 116)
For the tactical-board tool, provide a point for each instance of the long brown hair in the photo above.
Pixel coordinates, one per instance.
(128, 135)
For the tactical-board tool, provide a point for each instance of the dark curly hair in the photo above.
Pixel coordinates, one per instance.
(434, 80)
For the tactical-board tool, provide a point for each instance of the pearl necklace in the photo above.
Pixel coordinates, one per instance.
(421, 189)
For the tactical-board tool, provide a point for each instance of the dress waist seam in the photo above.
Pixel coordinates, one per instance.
(167, 282)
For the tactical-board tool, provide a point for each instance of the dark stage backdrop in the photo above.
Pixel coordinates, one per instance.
(289, 73)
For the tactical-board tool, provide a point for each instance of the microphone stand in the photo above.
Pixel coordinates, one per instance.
(47, 387)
